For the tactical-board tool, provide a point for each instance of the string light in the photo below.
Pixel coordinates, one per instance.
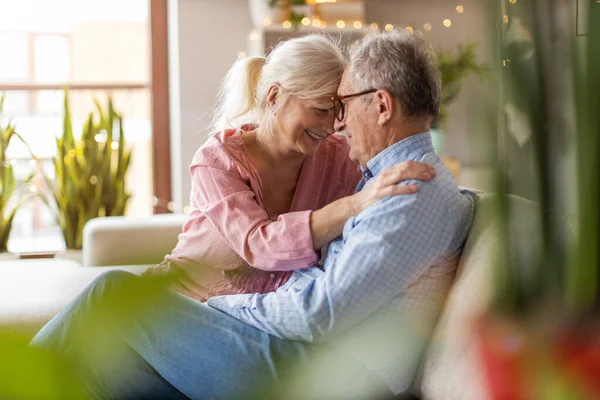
(506, 19)
(187, 209)
(241, 54)
(513, 1)
(505, 63)
(114, 145)
(316, 22)
(93, 179)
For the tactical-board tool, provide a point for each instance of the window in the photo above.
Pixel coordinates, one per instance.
(96, 48)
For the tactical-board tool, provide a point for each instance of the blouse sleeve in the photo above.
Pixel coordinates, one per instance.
(229, 203)
(349, 171)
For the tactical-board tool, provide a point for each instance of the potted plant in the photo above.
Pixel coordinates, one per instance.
(8, 183)
(455, 66)
(541, 339)
(264, 12)
(90, 171)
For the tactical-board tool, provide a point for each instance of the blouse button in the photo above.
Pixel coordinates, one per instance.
(272, 276)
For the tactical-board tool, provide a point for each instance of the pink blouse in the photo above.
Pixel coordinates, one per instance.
(229, 230)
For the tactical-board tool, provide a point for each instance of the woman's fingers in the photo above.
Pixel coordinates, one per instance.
(399, 173)
(410, 170)
(405, 189)
(414, 170)
(394, 190)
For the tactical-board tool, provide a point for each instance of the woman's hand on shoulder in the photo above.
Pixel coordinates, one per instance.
(386, 183)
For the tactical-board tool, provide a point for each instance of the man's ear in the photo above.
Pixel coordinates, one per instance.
(384, 101)
(272, 95)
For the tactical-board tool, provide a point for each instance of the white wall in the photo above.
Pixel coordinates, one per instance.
(467, 130)
(206, 35)
(204, 39)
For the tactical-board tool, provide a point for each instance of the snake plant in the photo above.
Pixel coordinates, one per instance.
(90, 171)
(8, 183)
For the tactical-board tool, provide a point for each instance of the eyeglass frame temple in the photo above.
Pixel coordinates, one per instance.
(348, 96)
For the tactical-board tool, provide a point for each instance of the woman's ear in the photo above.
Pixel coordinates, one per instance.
(272, 95)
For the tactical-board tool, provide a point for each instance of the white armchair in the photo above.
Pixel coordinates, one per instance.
(33, 291)
(130, 241)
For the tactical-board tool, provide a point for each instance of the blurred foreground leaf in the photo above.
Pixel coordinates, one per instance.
(33, 373)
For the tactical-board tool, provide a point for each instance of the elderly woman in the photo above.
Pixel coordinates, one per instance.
(267, 195)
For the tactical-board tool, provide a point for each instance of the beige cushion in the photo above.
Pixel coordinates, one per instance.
(130, 240)
(33, 291)
(451, 367)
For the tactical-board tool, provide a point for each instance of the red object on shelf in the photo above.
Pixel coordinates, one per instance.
(504, 353)
(578, 352)
(508, 352)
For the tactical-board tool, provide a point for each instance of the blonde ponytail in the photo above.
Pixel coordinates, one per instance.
(309, 67)
(236, 99)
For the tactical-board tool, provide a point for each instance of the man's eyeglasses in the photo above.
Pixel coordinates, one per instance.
(338, 103)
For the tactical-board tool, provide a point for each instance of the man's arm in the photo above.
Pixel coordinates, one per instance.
(389, 246)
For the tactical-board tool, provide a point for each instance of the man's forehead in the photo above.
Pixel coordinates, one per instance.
(346, 83)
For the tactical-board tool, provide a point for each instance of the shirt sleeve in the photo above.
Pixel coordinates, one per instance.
(385, 249)
(229, 203)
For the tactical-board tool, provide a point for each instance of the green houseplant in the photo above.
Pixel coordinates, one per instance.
(90, 171)
(8, 184)
(293, 10)
(549, 304)
(455, 65)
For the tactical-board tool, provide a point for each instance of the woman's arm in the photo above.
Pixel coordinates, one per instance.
(327, 223)
(228, 202)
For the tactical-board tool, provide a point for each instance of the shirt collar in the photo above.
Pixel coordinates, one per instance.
(412, 147)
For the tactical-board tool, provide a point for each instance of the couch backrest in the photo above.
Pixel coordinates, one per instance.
(450, 369)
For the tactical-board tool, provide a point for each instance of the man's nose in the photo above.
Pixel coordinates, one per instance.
(339, 125)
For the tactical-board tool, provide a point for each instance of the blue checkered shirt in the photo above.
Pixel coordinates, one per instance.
(383, 281)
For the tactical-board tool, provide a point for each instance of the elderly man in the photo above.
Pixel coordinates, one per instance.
(359, 323)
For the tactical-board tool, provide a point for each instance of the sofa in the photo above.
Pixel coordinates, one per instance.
(31, 292)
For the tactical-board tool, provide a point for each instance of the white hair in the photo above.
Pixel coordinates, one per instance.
(403, 63)
(309, 67)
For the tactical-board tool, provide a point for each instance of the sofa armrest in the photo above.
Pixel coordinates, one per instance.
(130, 240)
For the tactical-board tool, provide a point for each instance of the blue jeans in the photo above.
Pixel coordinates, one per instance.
(129, 342)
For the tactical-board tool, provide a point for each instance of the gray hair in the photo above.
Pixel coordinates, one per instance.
(403, 63)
